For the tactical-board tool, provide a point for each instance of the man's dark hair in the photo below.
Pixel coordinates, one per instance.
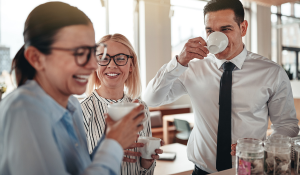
(235, 5)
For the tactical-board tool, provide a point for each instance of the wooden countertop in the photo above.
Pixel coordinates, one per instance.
(180, 166)
(296, 88)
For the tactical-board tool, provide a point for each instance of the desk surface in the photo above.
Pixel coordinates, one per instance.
(226, 172)
(180, 166)
(295, 84)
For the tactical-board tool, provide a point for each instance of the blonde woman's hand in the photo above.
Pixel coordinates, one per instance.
(146, 163)
(132, 153)
(124, 131)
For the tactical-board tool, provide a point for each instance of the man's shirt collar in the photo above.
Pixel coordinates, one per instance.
(238, 61)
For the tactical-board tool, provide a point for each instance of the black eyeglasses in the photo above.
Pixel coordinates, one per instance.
(120, 59)
(83, 54)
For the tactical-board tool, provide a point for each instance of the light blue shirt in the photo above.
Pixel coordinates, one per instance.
(40, 137)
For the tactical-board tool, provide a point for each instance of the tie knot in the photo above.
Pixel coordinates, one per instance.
(229, 66)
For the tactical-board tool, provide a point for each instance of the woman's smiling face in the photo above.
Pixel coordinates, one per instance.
(113, 76)
(61, 72)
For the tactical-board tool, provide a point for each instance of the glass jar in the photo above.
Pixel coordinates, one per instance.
(277, 158)
(293, 141)
(277, 138)
(249, 157)
(297, 157)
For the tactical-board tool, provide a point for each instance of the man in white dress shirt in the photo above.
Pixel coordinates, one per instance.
(260, 87)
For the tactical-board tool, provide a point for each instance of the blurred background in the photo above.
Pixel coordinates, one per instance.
(158, 29)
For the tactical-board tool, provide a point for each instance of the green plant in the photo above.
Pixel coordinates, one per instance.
(2, 88)
(288, 72)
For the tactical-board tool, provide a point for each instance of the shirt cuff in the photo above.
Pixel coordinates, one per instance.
(175, 68)
(111, 154)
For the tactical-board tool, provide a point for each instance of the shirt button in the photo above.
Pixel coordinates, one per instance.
(76, 144)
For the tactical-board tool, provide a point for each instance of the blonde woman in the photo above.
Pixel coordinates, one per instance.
(117, 80)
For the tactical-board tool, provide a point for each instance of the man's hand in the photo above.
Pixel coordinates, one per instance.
(194, 48)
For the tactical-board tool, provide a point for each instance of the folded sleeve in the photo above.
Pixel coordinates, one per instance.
(281, 107)
(166, 87)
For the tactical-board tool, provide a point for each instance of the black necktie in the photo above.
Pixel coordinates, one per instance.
(224, 129)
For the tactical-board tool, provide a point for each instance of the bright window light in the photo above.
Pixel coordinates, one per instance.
(187, 23)
(121, 18)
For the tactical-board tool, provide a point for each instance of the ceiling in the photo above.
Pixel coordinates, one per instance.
(272, 2)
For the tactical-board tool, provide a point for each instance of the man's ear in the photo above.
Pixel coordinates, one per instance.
(35, 58)
(244, 27)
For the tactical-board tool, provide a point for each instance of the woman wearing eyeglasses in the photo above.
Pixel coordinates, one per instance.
(117, 80)
(41, 125)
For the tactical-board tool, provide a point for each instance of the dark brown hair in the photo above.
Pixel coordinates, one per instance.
(41, 27)
(235, 5)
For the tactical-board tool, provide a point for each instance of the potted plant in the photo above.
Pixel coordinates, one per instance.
(2, 89)
(288, 72)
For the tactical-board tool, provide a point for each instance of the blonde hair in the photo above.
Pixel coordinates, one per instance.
(133, 82)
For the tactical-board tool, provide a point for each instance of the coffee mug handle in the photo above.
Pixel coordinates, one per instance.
(206, 47)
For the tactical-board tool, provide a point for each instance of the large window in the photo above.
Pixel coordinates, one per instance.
(121, 18)
(187, 22)
(286, 36)
(274, 34)
(13, 15)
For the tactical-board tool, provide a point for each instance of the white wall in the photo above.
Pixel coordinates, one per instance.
(155, 37)
(260, 28)
(155, 40)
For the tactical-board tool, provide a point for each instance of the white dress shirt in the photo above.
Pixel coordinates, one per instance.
(93, 109)
(260, 89)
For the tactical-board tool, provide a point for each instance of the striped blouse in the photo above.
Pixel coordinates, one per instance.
(93, 108)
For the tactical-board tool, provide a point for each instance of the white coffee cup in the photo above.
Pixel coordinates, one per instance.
(116, 111)
(150, 145)
(217, 42)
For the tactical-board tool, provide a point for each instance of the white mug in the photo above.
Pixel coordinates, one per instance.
(116, 111)
(217, 42)
(150, 145)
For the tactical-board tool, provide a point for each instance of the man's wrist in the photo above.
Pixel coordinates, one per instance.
(177, 58)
